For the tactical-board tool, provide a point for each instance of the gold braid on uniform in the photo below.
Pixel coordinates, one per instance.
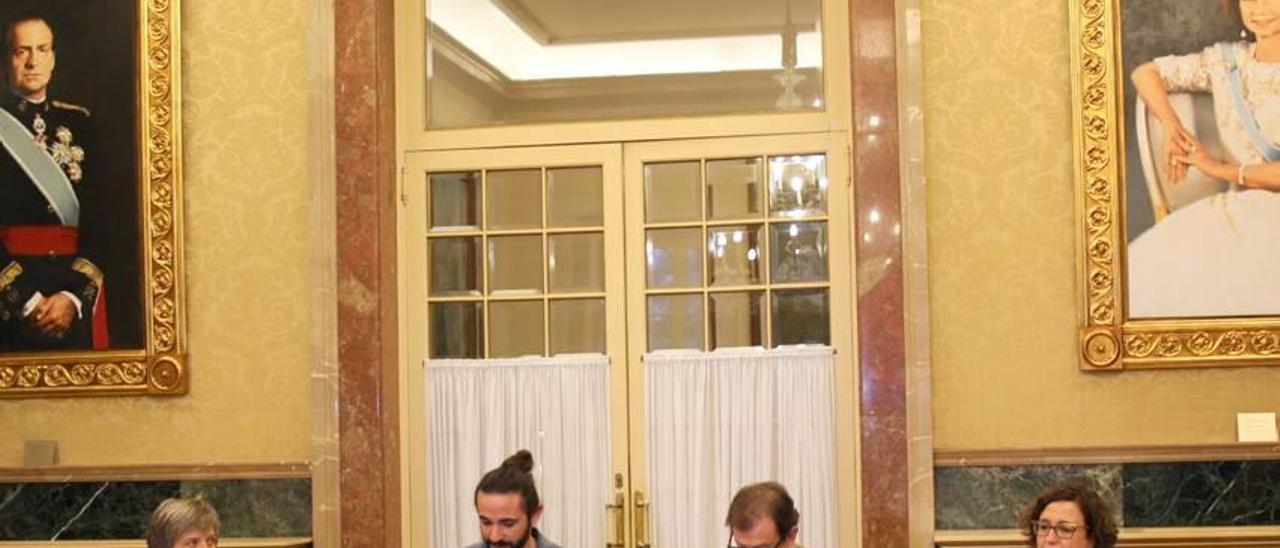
(92, 272)
(9, 274)
(69, 106)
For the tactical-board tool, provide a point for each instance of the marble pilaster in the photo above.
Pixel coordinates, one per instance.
(364, 106)
(878, 206)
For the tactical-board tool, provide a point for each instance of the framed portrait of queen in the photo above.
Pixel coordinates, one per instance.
(1177, 139)
(91, 270)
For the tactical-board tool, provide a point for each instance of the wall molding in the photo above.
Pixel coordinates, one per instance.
(1106, 455)
(1154, 537)
(156, 472)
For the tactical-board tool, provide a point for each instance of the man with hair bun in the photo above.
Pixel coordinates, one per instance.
(508, 506)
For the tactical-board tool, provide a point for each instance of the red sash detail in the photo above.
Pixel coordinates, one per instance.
(40, 239)
(57, 240)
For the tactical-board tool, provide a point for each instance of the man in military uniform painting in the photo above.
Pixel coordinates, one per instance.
(51, 294)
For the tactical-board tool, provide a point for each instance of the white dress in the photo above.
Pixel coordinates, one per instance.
(1219, 256)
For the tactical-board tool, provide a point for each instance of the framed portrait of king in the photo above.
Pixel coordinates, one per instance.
(1177, 141)
(91, 255)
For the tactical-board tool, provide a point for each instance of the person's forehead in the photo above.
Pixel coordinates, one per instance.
(198, 533)
(761, 525)
(33, 29)
(499, 505)
(1063, 510)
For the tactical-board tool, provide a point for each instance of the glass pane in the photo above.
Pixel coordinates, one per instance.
(515, 329)
(495, 63)
(675, 321)
(577, 326)
(733, 188)
(455, 200)
(515, 199)
(455, 266)
(674, 257)
(733, 255)
(515, 264)
(801, 317)
(671, 192)
(456, 330)
(798, 252)
(737, 319)
(798, 185)
(576, 262)
(575, 196)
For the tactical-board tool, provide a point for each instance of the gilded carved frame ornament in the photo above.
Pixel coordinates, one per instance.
(159, 367)
(1108, 338)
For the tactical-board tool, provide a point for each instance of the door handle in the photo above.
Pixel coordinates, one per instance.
(641, 520)
(617, 510)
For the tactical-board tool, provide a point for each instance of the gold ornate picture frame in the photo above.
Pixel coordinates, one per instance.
(117, 73)
(1105, 167)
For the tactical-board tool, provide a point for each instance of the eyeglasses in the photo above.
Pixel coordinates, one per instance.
(1064, 530)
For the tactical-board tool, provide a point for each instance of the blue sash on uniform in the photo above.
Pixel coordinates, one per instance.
(1264, 146)
(40, 168)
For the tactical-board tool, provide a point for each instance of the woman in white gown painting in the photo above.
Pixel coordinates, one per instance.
(1219, 256)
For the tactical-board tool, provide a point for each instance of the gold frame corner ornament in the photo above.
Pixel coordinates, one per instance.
(1100, 349)
(1109, 340)
(160, 368)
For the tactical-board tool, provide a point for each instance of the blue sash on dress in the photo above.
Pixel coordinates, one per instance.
(1264, 146)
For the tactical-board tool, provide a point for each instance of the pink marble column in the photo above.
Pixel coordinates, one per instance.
(366, 273)
(881, 310)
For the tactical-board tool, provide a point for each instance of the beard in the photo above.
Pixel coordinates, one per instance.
(524, 539)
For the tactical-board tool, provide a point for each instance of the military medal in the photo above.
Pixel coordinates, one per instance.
(65, 154)
(39, 126)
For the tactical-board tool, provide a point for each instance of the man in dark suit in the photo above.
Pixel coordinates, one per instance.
(51, 294)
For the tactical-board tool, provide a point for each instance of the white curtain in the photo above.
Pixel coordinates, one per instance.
(725, 419)
(481, 411)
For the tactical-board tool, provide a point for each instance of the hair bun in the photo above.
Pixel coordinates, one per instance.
(522, 460)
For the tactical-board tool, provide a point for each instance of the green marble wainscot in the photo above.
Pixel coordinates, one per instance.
(1202, 494)
(119, 510)
(1184, 494)
(992, 497)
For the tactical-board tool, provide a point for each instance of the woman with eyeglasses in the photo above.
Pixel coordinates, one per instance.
(1069, 515)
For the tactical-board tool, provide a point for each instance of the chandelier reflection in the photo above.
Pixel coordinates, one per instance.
(798, 186)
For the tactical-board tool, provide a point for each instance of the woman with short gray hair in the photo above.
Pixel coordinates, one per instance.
(183, 523)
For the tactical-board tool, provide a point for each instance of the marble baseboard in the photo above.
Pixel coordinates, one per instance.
(119, 510)
(1188, 494)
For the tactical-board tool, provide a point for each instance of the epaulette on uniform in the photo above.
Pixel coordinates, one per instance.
(69, 106)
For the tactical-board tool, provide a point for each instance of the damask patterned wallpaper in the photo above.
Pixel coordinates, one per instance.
(249, 290)
(1002, 258)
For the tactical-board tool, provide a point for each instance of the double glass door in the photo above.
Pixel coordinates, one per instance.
(545, 286)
